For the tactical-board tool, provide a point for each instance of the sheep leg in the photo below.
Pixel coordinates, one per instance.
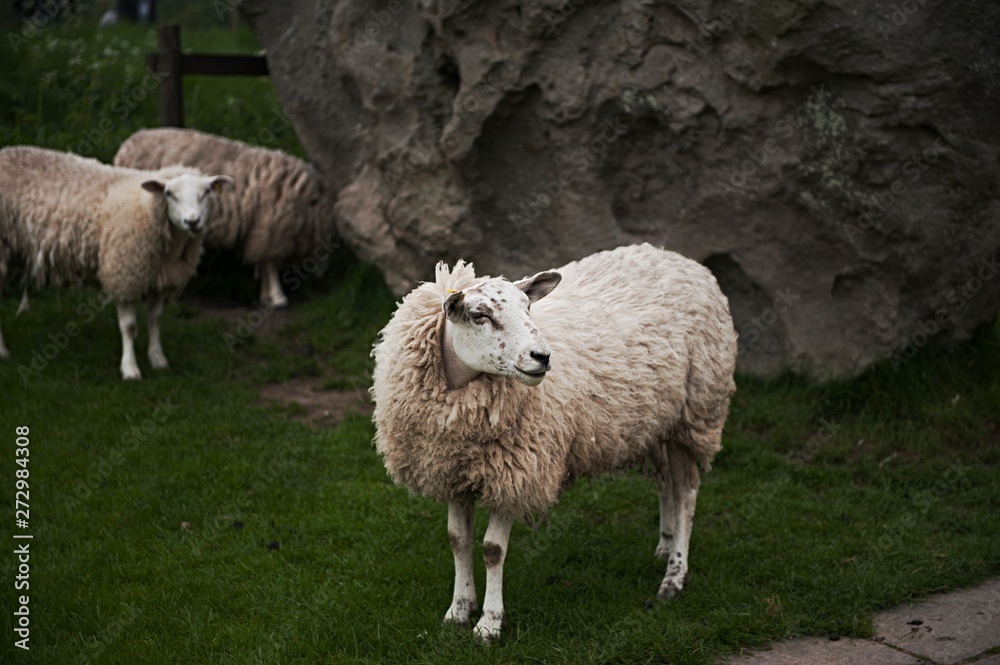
(684, 481)
(668, 512)
(270, 286)
(494, 553)
(156, 357)
(127, 326)
(460, 533)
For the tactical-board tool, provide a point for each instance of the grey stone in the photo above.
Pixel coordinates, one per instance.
(835, 163)
(951, 628)
(817, 651)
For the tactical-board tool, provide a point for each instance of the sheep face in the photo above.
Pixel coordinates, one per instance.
(189, 198)
(490, 327)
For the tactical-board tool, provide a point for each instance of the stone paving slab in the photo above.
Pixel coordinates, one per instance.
(946, 628)
(820, 651)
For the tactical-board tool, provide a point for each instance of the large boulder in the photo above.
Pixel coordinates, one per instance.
(833, 162)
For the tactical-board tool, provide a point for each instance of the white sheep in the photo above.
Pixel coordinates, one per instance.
(643, 352)
(68, 219)
(279, 210)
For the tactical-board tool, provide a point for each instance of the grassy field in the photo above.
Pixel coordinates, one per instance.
(181, 519)
(85, 89)
(826, 504)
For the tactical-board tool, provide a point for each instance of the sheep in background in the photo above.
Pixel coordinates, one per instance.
(643, 352)
(67, 219)
(279, 211)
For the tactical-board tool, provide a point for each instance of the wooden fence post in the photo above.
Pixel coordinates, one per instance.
(170, 65)
(168, 41)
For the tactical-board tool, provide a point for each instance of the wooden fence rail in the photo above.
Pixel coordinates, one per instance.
(171, 65)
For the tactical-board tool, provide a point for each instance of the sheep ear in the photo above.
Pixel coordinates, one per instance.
(155, 186)
(540, 285)
(452, 305)
(220, 183)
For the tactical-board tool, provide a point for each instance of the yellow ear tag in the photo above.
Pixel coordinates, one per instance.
(451, 291)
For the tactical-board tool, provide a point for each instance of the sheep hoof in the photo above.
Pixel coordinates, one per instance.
(276, 302)
(4, 353)
(459, 613)
(131, 374)
(487, 631)
(486, 636)
(669, 590)
(158, 361)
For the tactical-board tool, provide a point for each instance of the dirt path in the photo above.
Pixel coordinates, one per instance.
(316, 406)
(313, 405)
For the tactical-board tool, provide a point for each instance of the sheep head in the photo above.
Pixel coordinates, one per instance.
(489, 329)
(189, 198)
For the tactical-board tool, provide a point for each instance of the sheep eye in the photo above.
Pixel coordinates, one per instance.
(169, 194)
(479, 317)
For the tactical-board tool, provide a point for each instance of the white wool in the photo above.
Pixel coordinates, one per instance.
(643, 350)
(66, 219)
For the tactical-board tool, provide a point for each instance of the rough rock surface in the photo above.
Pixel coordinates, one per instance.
(833, 162)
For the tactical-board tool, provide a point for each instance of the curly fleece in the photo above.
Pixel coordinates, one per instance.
(643, 352)
(70, 219)
(278, 209)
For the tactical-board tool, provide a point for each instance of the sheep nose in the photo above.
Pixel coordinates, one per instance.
(192, 223)
(542, 358)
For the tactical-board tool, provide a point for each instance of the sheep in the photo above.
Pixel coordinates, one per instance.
(642, 351)
(68, 219)
(280, 209)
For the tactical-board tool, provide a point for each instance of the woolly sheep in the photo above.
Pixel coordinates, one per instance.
(278, 211)
(643, 351)
(68, 219)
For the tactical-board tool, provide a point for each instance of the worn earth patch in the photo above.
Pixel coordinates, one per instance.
(310, 403)
(317, 406)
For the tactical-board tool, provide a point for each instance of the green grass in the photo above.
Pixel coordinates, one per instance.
(827, 503)
(85, 89)
(300, 550)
